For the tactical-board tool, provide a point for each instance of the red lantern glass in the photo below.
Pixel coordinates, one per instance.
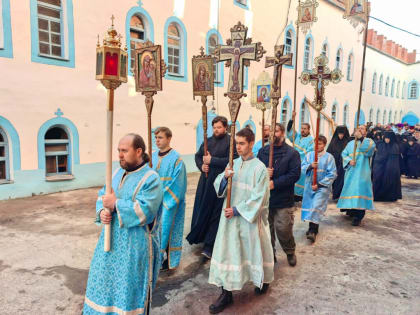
(111, 64)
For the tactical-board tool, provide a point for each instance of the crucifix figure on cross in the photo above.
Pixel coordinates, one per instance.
(278, 61)
(238, 53)
(320, 77)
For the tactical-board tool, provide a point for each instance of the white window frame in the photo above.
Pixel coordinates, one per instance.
(180, 55)
(6, 157)
(387, 87)
(345, 115)
(413, 94)
(339, 63)
(398, 89)
(58, 153)
(307, 55)
(136, 40)
(50, 19)
(350, 63)
(381, 85)
(374, 79)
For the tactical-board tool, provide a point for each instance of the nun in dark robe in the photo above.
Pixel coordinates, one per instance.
(386, 169)
(413, 158)
(337, 145)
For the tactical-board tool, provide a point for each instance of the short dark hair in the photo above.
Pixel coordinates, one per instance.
(138, 143)
(165, 130)
(307, 124)
(221, 119)
(281, 127)
(246, 133)
(322, 139)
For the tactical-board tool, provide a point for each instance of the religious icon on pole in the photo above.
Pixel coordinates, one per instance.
(148, 72)
(320, 77)
(203, 85)
(111, 70)
(277, 62)
(307, 14)
(238, 53)
(259, 99)
(356, 11)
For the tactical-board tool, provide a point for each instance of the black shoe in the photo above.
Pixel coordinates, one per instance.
(311, 236)
(206, 254)
(291, 259)
(263, 290)
(224, 300)
(356, 222)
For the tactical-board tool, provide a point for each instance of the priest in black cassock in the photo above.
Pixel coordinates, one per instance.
(338, 143)
(386, 169)
(207, 207)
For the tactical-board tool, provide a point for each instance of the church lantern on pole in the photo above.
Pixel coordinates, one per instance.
(111, 70)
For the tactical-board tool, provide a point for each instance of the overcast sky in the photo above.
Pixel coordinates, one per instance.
(403, 14)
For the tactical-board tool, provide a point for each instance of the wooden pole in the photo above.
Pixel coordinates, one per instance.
(318, 119)
(275, 103)
(108, 181)
(204, 119)
(294, 89)
(361, 80)
(149, 107)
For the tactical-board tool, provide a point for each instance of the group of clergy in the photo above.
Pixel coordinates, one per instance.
(146, 208)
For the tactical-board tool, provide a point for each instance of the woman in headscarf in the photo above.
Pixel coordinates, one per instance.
(413, 158)
(386, 169)
(338, 143)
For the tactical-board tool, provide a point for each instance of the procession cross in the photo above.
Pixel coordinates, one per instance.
(320, 77)
(277, 62)
(238, 53)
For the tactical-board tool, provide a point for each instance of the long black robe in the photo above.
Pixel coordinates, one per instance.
(207, 207)
(386, 170)
(335, 148)
(413, 158)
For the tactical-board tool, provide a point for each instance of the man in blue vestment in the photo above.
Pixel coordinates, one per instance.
(304, 143)
(121, 280)
(357, 194)
(171, 169)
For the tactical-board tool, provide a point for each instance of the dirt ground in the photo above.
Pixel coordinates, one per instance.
(47, 242)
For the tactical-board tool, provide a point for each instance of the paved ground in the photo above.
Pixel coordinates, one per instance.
(46, 243)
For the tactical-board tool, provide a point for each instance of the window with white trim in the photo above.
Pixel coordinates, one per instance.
(403, 90)
(387, 87)
(371, 115)
(4, 157)
(350, 68)
(334, 113)
(413, 90)
(345, 115)
(339, 59)
(393, 88)
(390, 117)
(288, 43)
(378, 115)
(57, 152)
(50, 28)
(384, 118)
(381, 84)
(374, 83)
(174, 49)
(307, 54)
(302, 114)
(284, 109)
(398, 89)
(325, 50)
(137, 37)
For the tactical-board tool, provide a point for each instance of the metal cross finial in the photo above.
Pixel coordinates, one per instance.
(112, 19)
(202, 51)
(59, 113)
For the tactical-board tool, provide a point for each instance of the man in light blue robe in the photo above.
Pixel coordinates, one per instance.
(171, 169)
(121, 280)
(259, 144)
(357, 194)
(315, 197)
(304, 143)
(242, 251)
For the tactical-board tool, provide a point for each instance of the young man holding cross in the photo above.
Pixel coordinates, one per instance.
(315, 197)
(171, 169)
(304, 143)
(121, 280)
(242, 251)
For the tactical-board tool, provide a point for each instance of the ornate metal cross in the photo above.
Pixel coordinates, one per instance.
(320, 77)
(238, 53)
(278, 61)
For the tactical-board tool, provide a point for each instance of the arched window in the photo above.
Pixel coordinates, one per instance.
(325, 50)
(176, 49)
(413, 90)
(381, 83)
(398, 89)
(137, 36)
(387, 87)
(371, 115)
(284, 111)
(403, 90)
(334, 113)
(390, 117)
(288, 42)
(339, 59)
(4, 157)
(384, 118)
(378, 115)
(374, 83)
(393, 88)
(307, 58)
(345, 115)
(57, 152)
(303, 113)
(350, 64)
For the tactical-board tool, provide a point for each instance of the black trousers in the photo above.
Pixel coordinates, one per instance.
(360, 214)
